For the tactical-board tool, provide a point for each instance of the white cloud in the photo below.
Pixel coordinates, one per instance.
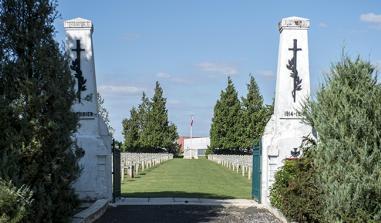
(371, 18)
(120, 89)
(323, 25)
(171, 78)
(219, 68)
(163, 75)
(265, 73)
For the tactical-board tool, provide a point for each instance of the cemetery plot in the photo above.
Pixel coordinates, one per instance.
(187, 178)
(133, 163)
(240, 163)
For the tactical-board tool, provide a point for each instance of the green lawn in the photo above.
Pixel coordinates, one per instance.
(188, 178)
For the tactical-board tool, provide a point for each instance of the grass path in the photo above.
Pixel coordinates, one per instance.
(188, 178)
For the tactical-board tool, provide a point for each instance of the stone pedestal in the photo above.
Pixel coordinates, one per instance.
(93, 137)
(285, 130)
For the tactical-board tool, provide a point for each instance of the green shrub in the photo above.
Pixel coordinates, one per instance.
(347, 116)
(14, 202)
(295, 191)
(340, 180)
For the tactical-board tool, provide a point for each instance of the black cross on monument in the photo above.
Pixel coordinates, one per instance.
(76, 66)
(78, 51)
(293, 67)
(295, 49)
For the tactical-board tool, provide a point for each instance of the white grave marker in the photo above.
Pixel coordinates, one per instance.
(285, 130)
(93, 137)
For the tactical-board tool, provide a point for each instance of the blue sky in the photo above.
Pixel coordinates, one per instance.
(191, 46)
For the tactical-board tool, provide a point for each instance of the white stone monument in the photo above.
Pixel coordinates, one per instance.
(92, 136)
(285, 130)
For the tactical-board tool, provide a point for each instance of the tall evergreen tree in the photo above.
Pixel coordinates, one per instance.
(131, 131)
(216, 127)
(170, 142)
(143, 110)
(347, 117)
(148, 128)
(254, 115)
(225, 128)
(158, 132)
(36, 95)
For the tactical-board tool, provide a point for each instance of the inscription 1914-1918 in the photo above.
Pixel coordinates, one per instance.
(76, 67)
(292, 66)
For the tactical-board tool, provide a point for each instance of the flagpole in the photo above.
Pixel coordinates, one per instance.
(191, 127)
(191, 135)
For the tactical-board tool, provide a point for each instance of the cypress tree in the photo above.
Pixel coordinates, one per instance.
(170, 142)
(131, 131)
(36, 95)
(158, 132)
(225, 128)
(143, 110)
(148, 128)
(216, 128)
(347, 117)
(254, 115)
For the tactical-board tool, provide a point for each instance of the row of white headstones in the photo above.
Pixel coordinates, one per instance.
(133, 163)
(238, 163)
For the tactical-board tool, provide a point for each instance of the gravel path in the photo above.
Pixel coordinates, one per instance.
(186, 213)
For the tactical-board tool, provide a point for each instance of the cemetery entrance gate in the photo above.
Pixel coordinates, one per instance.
(256, 178)
(116, 180)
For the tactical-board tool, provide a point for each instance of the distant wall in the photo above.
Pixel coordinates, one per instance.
(195, 147)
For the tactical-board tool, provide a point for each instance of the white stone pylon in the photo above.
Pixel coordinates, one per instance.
(285, 130)
(79, 45)
(92, 136)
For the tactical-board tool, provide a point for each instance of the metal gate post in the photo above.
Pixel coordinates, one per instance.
(257, 172)
(116, 184)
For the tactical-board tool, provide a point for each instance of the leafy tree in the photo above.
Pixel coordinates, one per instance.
(131, 131)
(14, 202)
(225, 129)
(103, 113)
(254, 115)
(347, 116)
(36, 95)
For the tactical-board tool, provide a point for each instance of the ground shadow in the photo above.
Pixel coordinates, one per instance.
(159, 214)
(176, 194)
